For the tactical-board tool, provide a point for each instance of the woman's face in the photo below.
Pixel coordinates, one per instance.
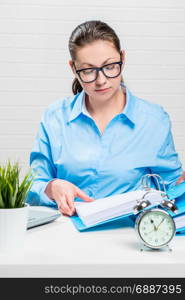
(97, 54)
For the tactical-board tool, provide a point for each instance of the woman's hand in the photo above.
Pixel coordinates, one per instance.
(64, 192)
(181, 178)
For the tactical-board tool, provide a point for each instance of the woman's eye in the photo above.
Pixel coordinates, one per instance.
(87, 72)
(110, 67)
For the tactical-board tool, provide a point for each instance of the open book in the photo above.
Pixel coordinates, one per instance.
(180, 223)
(101, 210)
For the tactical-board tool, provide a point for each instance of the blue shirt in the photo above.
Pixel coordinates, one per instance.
(70, 146)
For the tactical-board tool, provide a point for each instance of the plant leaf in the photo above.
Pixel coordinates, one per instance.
(12, 193)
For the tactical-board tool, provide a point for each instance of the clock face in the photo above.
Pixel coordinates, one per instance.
(156, 228)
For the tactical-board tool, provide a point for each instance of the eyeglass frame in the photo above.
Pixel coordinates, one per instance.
(98, 69)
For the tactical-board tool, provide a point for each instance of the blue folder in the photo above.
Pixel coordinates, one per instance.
(117, 222)
(128, 220)
(180, 203)
(178, 193)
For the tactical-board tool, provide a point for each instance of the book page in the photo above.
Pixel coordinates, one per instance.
(113, 206)
(179, 221)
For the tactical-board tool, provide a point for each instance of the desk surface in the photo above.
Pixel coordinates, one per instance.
(59, 250)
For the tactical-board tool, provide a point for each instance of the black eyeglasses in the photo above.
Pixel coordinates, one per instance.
(88, 75)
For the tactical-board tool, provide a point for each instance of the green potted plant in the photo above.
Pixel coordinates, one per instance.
(13, 209)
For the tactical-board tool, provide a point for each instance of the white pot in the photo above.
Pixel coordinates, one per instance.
(13, 224)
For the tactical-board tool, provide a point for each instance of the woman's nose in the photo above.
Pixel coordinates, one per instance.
(101, 78)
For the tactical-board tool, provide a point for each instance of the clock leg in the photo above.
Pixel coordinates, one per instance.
(143, 247)
(169, 249)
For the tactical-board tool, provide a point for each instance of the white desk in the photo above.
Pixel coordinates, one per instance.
(59, 250)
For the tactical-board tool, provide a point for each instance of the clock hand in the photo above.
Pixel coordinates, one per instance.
(155, 228)
(160, 223)
(151, 231)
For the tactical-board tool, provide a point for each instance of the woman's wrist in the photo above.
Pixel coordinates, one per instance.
(49, 189)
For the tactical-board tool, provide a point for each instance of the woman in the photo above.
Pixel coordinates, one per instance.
(102, 140)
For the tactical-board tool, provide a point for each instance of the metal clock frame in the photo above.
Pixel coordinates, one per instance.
(138, 221)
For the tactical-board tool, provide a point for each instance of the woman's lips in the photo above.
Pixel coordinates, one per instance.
(102, 90)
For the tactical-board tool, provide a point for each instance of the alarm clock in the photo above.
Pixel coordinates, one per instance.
(155, 228)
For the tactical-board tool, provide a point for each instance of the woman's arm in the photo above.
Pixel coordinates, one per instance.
(43, 169)
(47, 189)
(168, 165)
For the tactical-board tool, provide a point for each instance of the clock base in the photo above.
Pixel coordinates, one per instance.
(146, 248)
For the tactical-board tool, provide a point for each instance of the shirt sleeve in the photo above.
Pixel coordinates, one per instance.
(167, 165)
(43, 169)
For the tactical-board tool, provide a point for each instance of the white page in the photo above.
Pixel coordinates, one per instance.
(106, 208)
(179, 221)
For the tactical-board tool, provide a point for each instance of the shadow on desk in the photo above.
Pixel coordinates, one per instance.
(116, 224)
(46, 226)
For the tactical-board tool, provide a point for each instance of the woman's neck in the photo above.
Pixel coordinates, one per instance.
(106, 109)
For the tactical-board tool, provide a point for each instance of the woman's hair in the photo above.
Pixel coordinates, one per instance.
(85, 34)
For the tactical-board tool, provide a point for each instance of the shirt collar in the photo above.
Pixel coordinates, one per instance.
(80, 107)
(129, 109)
(77, 107)
(84, 107)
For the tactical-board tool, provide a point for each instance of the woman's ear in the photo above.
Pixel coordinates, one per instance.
(123, 56)
(72, 67)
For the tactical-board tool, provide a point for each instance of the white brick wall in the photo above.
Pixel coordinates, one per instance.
(34, 60)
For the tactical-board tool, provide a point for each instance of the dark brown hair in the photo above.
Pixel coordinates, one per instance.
(85, 34)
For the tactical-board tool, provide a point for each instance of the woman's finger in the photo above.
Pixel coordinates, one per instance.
(181, 178)
(70, 202)
(63, 205)
(83, 195)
